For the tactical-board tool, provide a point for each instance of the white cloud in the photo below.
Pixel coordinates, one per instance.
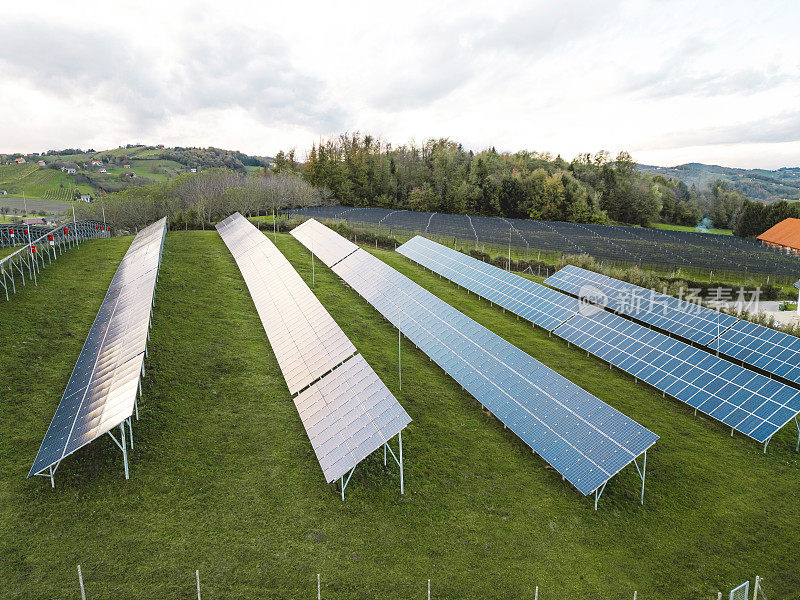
(669, 81)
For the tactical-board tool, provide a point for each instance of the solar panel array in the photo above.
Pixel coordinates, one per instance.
(742, 399)
(306, 340)
(330, 250)
(584, 439)
(348, 414)
(770, 350)
(534, 302)
(637, 245)
(747, 401)
(773, 351)
(101, 391)
(686, 319)
(346, 409)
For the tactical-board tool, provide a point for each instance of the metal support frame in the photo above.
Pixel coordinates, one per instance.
(38, 252)
(642, 473)
(122, 443)
(597, 493)
(398, 458)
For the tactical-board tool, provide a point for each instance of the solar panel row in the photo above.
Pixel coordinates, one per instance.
(346, 409)
(101, 392)
(773, 351)
(330, 250)
(583, 438)
(534, 302)
(740, 398)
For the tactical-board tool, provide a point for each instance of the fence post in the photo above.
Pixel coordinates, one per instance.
(197, 574)
(536, 595)
(80, 580)
(429, 589)
(755, 587)
(319, 589)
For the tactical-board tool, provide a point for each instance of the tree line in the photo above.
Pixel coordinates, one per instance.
(441, 176)
(195, 200)
(755, 218)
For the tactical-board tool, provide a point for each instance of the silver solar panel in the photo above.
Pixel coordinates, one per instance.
(584, 439)
(101, 391)
(330, 250)
(536, 303)
(348, 414)
(347, 411)
(306, 340)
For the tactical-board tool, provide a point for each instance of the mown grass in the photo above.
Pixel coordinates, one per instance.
(692, 229)
(224, 480)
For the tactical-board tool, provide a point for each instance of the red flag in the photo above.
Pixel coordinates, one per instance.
(66, 230)
(50, 237)
(33, 249)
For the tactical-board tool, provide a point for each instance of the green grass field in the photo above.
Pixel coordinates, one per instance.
(224, 480)
(693, 229)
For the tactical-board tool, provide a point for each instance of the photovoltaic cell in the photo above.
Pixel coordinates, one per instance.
(686, 319)
(346, 409)
(531, 301)
(101, 391)
(330, 250)
(584, 439)
(742, 399)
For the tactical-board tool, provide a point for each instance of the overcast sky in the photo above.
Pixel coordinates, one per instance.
(671, 82)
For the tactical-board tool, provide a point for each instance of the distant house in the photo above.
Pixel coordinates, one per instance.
(34, 154)
(102, 171)
(161, 146)
(131, 175)
(34, 221)
(193, 170)
(19, 161)
(3, 193)
(97, 162)
(41, 163)
(70, 171)
(785, 235)
(126, 166)
(86, 198)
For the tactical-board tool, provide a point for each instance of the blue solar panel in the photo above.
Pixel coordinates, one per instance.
(767, 349)
(584, 439)
(523, 297)
(742, 399)
(686, 319)
(762, 347)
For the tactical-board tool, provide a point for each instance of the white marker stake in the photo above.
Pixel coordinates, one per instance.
(197, 574)
(319, 589)
(80, 580)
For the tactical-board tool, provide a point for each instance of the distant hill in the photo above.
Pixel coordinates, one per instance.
(757, 184)
(105, 171)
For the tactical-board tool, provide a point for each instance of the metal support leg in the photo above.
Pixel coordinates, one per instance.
(642, 473)
(597, 493)
(124, 449)
(797, 424)
(130, 431)
(402, 487)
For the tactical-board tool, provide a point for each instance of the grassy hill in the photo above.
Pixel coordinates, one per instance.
(224, 480)
(148, 162)
(757, 184)
(39, 182)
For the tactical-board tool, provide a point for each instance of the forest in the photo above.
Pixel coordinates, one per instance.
(198, 200)
(441, 176)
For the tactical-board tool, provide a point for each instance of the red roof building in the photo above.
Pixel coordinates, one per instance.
(785, 234)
